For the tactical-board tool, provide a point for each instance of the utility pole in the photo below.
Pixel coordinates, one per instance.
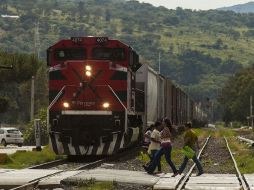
(251, 114)
(159, 62)
(32, 100)
(37, 40)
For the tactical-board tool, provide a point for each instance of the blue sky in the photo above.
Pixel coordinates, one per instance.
(195, 4)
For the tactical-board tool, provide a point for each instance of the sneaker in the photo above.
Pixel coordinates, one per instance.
(158, 172)
(200, 173)
(175, 174)
(145, 168)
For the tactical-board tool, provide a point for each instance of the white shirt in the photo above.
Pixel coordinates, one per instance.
(154, 145)
(147, 138)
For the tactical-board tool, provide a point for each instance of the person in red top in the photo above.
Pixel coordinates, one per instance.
(166, 147)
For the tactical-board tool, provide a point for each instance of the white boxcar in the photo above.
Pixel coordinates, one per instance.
(169, 99)
(161, 97)
(153, 87)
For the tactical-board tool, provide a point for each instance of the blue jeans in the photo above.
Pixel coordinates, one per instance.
(153, 153)
(167, 152)
(185, 161)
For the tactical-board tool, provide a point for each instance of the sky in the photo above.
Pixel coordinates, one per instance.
(195, 4)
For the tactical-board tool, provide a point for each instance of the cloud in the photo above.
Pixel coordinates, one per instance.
(195, 4)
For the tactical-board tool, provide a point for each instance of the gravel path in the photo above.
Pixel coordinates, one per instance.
(216, 158)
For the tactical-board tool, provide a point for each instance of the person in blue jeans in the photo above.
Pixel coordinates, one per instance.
(165, 149)
(154, 146)
(191, 140)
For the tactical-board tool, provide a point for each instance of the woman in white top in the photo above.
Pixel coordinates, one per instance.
(166, 147)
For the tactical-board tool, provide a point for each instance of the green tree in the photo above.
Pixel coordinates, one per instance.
(4, 104)
(236, 94)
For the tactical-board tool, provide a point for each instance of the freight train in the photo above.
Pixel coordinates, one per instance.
(102, 98)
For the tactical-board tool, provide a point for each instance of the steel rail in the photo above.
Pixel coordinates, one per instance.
(35, 183)
(48, 164)
(186, 177)
(240, 177)
(30, 185)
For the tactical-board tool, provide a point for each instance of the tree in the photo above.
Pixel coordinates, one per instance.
(4, 104)
(107, 16)
(236, 94)
(218, 44)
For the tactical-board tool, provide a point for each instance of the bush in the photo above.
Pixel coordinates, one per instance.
(29, 137)
(235, 124)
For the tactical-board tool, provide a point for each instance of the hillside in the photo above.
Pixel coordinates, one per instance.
(241, 8)
(199, 49)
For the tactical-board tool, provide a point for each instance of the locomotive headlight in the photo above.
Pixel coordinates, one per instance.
(88, 73)
(105, 105)
(88, 68)
(66, 105)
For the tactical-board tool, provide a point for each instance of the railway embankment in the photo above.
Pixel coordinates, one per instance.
(25, 159)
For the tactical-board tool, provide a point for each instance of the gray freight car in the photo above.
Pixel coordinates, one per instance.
(158, 97)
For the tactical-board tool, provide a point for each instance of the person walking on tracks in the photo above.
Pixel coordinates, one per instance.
(155, 144)
(190, 147)
(165, 149)
(147, 137)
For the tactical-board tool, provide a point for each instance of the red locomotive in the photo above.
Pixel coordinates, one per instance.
(101, 97)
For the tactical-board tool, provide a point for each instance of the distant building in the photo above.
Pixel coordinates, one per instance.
(10, 16)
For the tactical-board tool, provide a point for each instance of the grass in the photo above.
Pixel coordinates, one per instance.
(98, 186)
(90, 184)
(21, 160)
(244, 156)
(222, 131)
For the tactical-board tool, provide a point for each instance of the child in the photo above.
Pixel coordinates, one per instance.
(147, 137)
(155, 143)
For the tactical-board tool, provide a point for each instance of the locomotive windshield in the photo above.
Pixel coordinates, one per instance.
(70, 54)
(114, 54)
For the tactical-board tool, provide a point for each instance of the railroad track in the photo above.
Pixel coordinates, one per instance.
(36, 183)
(186, 177)
(206, 181)
(72, 169)
(214, 181)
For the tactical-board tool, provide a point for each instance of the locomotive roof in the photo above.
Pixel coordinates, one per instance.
(89, 40)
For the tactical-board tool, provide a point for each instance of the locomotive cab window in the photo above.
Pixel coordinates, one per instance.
(70, 54)
(113, 54)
